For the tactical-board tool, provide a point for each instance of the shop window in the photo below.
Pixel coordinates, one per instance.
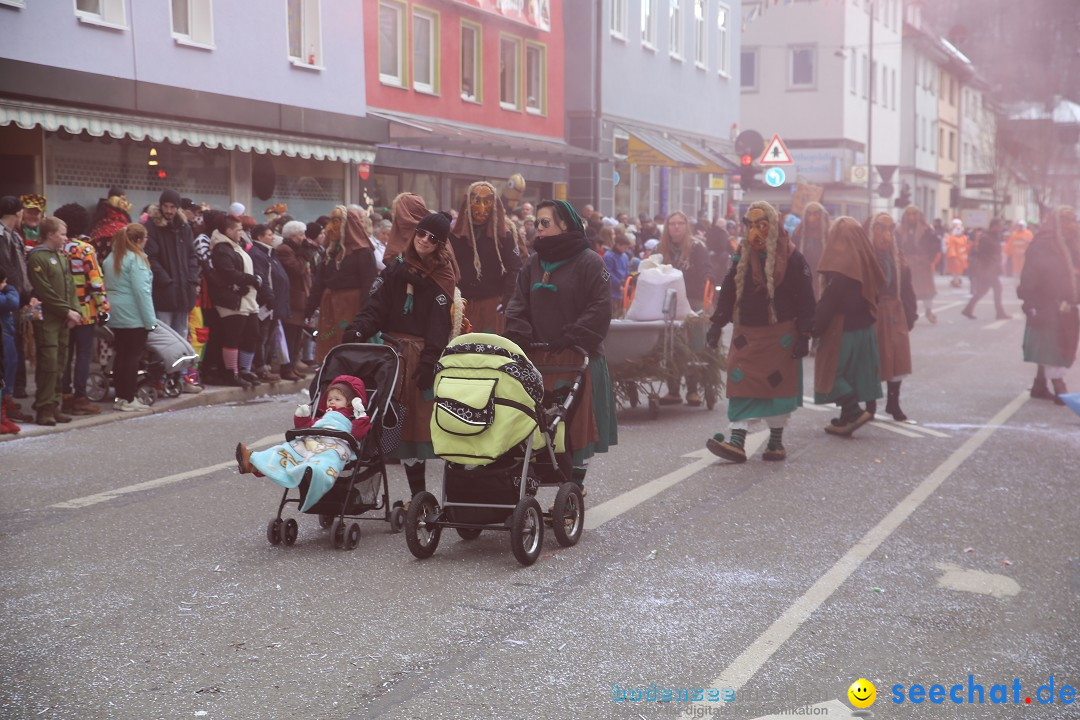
(109, 13)
(535, 78)
(392, 43)
(305, 33)
(425, 51)
(471, 62)
(509, 72)
(193, 22)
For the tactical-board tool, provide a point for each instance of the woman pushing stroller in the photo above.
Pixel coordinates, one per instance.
(315, 458)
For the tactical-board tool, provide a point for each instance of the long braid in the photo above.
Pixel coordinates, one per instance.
(770, 266)
(740, 274)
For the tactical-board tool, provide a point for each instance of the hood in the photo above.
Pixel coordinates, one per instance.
(354, 382)
(154, 215)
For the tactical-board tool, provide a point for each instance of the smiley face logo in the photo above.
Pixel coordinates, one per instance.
(862, 693)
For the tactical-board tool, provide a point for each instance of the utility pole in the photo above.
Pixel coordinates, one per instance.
(872, 87)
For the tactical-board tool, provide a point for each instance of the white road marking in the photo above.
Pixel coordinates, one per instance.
(746, 665)
(893, 427)
(613, 508)
(950, 306)
(959, 578)
(916, 427)
(996, 325)
(158, 482)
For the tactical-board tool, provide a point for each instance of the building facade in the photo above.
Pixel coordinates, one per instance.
(816, 74)
(951, 75)
(92, 91)
(923, 57)
(473, 90)
(652, 87)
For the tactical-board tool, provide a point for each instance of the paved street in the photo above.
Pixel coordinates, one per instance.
(138, 582)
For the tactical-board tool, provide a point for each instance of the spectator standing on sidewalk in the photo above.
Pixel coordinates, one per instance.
(93, 306)
(233, 288)
(262, 247)
(294, 258)
(9, 308)
(13, 266)
(54, 286)
(130, 282)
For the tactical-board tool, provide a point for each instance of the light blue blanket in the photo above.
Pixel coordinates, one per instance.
(285, 463)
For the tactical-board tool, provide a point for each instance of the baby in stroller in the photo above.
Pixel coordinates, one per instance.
(316, 459)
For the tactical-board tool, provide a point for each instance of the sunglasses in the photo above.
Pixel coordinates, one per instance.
(545, 222)
(430, 237)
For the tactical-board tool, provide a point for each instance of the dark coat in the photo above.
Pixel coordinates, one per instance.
(1044, 283)
(385, 311)
(357, 271)
(842, 296)
(170, 247)
(491, 283)
(794, 297)
(278, 286)
(294, 259)
(227, 281)
(579, 312)
(260, 264)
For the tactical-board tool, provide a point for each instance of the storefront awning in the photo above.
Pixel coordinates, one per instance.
(711, 162)
(117, 125)
(444, 137)
(648, 147)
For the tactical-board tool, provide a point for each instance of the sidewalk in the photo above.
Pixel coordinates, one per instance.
(211, 395)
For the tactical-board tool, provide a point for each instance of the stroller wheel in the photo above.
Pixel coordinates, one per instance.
(397, 519)
(568, 515)
(339, 535)
(527, 531)
(468, 533)
(97, 386)
(325, 520)
(352, 539)
(290, 531)
(273, 531)
(422, 532)
(171, 386)
(145, 393)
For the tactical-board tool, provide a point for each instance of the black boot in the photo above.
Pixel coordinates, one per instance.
(892, 406)
(1039, 388)
(871, 407)
(237, 380)
(415, 475)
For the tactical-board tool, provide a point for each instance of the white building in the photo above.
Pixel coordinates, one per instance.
(810, 74)
(923, 55)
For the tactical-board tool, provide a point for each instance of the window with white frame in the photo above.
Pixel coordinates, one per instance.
(723, 41)
(865, 76)
(803, 67)
(509, 72)
(884, 86)
(425, 50)
(392, 43)
(619, 19)
(701, 50)
(675, 28)
(471, 61)
(193, 22)
(535, 78)
(648, 23)
(748, 69)
(854, 80)
(892, 88)
(101, 12)
(873, 82)
(14, 3)
(305, 32)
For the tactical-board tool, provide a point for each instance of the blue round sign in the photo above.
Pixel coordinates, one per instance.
(775, 177)
(615, 177)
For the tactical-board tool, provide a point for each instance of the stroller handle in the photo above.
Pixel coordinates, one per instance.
(295, 433)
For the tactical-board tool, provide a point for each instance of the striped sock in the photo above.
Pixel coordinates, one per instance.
(246, 358)
(738, 438)
(776, 437)
(229, 356)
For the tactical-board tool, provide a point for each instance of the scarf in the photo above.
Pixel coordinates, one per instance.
(848, 252)
(557, 250)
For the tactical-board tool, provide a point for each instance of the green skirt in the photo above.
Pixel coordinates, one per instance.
(603, 405)
(1041, 344)
(858, 369)
(745, 408)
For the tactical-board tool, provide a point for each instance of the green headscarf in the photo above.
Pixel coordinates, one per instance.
(569, 216)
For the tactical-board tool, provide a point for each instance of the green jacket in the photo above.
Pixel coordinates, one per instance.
(53, 282)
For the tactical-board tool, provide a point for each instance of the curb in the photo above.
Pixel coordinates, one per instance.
(211, 395)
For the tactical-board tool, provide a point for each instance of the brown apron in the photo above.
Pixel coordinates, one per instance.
(418, 408)
(484, 315)
(760, 365)
(827, 358)
(559, 369)
(894, 345)
(336, 311)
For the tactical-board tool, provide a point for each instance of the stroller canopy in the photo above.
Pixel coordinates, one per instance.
(487, 396)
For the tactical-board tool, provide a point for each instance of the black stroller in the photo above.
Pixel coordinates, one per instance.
(356, 490)
(501, 427)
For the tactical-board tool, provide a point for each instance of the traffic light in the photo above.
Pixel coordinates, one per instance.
(905, 197)
(748, 173)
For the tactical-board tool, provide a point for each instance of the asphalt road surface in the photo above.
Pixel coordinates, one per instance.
(138, 581)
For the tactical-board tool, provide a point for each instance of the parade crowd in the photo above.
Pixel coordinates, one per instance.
(265, 301)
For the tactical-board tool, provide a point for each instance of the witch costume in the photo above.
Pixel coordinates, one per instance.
(897, 312)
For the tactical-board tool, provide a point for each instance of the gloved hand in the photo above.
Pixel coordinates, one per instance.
(712, 338)
(303, 410)
(802, 347)
(559, 344)
(424, 375)
(358, 408)
(251, 280)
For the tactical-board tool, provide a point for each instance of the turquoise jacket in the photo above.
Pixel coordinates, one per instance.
(131, 299)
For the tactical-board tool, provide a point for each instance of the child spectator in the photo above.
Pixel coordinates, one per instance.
(317, 459)
(9, 306)
(617, 261)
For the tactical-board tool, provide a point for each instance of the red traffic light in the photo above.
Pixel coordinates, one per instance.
(747, 159)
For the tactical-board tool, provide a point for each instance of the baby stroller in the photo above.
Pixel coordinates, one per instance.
(503, 437)
(356, 490)
(168, 355)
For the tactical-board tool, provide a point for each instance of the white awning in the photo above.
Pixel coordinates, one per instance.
(28, 115)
